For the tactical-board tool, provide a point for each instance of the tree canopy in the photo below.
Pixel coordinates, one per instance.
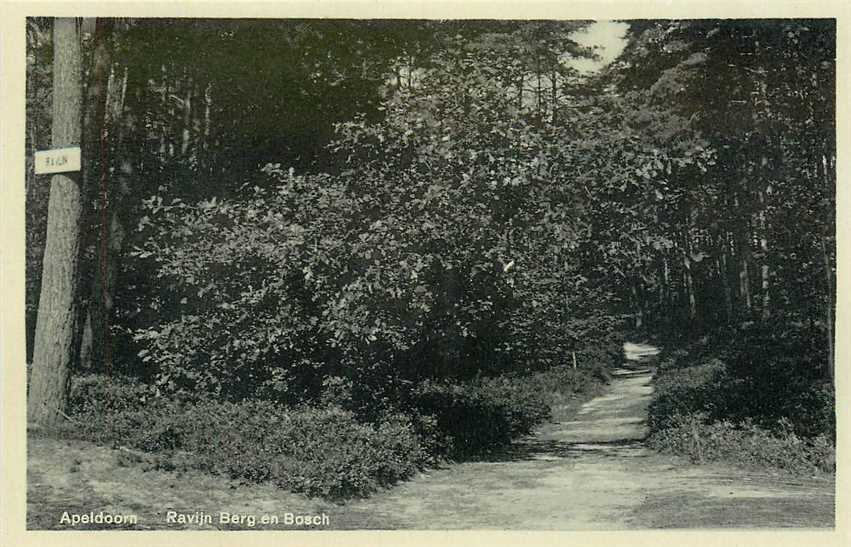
(295, 200)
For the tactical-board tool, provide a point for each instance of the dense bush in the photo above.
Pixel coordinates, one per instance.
(523, 405)
(474, 422)
(686, 390)
(321, 452)
(778, 374)
(481, 416)
(318, 451)
(765, 379)
(745, 443)
(103, 393)
(762, 403)
(433, 249)
(349, 443)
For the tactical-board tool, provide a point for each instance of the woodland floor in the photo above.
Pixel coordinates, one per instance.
(586, 470)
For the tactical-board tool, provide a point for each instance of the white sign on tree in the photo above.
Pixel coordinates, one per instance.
(60, 160)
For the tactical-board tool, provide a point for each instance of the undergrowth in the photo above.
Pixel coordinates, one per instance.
(322, 449)
(758, 403)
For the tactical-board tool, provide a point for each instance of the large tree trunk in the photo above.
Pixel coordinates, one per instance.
(108, 266)
(53, 350)
(96, 177)
(113, 230)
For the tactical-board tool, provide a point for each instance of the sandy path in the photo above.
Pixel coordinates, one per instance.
(593, 472)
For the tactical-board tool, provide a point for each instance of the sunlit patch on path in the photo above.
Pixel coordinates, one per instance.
(638, 352)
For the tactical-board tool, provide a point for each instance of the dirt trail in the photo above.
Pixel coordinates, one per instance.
(593, 472)
(586, 470)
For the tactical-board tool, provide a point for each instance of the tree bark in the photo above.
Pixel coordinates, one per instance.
(687, 273)
(53, 351)
(84, 361)
(108, 267)
(539, 90)
(689, 279)
(163, 127)
(114, 231)
(665, 292)
(205, 147)
(96, 174)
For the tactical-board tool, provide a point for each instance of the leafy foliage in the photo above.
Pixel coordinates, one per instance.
(437, 252)
(725, 183)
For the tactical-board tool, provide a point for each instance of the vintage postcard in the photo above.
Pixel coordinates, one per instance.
(424, 272)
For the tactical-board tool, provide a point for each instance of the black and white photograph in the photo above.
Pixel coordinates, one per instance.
(429, 274)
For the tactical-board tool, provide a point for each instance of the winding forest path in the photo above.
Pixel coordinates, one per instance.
(592, 471)
(585, 470)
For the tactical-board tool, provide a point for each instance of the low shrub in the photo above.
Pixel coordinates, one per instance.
(765, 388)
(337, 448)
(482, 416)
(685, 390)
(476, 421)
(694, 435)
(525, 406)
(148, 428)
(770, 386)
(762, 403)
(815, 412)
(564, 381)
(676, 358)
(318, 451)
(102, 393)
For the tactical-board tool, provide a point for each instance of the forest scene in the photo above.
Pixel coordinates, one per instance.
(429, 274)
